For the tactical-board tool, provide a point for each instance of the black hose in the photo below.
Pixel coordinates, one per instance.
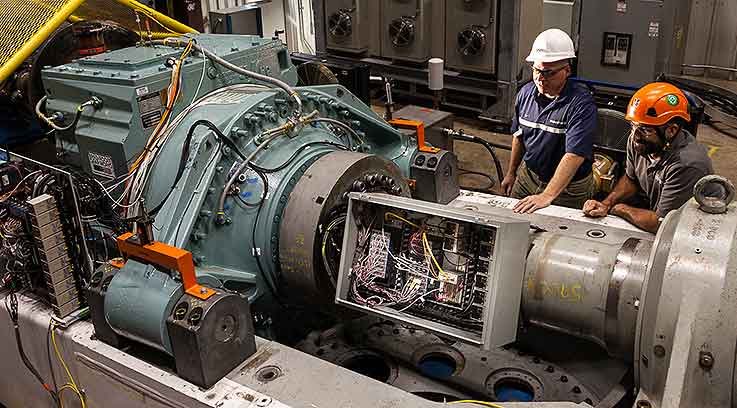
(11, 304)
(185, 155)
(488, 145)
(485, 189)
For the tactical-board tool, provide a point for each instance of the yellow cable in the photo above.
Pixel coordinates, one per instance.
(73, 384)
(428, 248)
(69, 387)
(391, 214)
(484, 403)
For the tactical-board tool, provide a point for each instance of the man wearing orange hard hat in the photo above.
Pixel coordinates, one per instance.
(664, 161)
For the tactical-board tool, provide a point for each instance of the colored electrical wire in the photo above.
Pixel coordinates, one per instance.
(72, 384)
(393, 215)
(428, 248)
(11, 305)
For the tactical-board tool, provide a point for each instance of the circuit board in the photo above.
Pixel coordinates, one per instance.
(434, 270)
(45, 245)
(428, 265)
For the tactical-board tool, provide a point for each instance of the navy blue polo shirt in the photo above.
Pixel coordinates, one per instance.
(550, 128)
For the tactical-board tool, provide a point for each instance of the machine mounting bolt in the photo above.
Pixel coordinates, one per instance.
(219, 169)
(203, 291)
(550, 369)
(564, 378)
(706, 360)
(659, 351)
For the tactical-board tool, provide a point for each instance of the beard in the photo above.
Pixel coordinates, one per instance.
(648, 148)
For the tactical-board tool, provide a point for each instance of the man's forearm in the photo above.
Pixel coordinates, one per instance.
(641, 218)
(564, 173)
(623, 190)
(518, 150)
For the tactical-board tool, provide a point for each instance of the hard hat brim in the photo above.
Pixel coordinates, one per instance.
(549, 58)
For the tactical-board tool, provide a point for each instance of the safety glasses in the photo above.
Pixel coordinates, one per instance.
(546, 73)
(643, 130)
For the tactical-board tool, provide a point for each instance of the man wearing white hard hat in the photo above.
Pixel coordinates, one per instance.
(554, 124)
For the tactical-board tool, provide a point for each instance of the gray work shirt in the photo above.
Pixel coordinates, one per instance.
(668, 182)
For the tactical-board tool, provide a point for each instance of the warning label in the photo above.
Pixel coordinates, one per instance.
(151, 108)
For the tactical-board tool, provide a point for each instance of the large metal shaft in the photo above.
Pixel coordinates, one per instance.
(586, 288)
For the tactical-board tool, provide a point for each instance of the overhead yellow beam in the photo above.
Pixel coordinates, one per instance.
(37, 39)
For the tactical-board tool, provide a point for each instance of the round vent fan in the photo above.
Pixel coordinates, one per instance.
(402, 32)
(471, 42)
(315, 73)
(340, 24)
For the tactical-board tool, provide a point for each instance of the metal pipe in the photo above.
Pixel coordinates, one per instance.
(702, 66)
(264, 78)
(586, 288)
(220, 61)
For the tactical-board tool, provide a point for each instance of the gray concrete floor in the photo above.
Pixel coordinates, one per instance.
(722, 149)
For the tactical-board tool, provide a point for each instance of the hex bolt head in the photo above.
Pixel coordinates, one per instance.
(706, 360)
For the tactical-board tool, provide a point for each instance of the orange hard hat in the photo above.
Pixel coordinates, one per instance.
(656, 104)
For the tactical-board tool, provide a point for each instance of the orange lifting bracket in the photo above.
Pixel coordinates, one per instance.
(167, 256)
(419, 127)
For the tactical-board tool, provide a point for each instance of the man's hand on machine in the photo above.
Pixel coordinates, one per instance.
(596, 209)
(533, 203)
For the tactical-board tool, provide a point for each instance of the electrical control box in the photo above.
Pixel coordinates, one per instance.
(453, 271)
(609, 35)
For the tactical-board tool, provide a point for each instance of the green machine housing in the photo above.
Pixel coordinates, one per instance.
(132, 85)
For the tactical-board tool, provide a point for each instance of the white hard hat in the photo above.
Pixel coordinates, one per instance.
(552, 45)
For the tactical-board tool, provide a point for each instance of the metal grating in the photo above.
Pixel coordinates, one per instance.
(27, 23)
(21, 20)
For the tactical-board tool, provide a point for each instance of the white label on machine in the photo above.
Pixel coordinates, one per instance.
(621, 6)
(101, 165)
(654, 30)
(142, 91)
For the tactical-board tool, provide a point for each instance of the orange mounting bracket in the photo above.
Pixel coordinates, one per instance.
(167, 256)
(419, 127)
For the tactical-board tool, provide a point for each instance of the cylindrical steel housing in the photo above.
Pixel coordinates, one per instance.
(586, 288)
